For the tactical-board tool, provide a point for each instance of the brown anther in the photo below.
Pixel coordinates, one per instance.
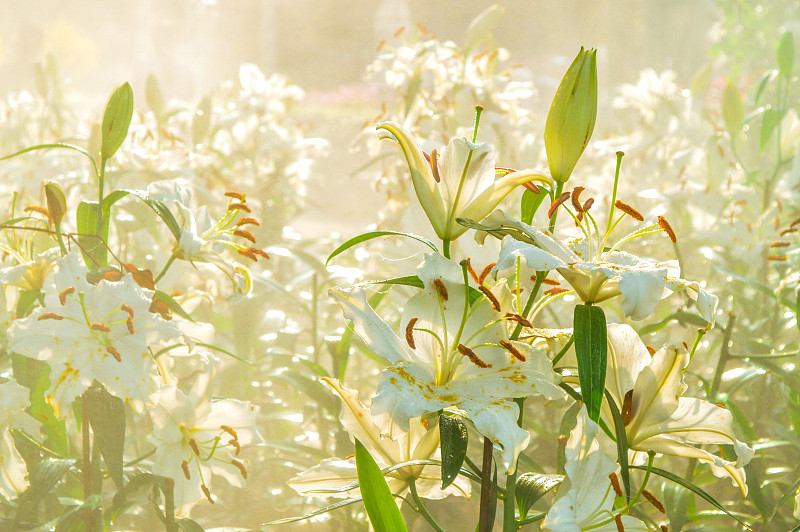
(247, 235)
(575, 198)
(229, 430)
(129, 324)
(651, 350)
(410, 333)
(470, 354)
(779, 244)
(49, 316)
(193, 445)
(530, 185)
(485, 272)
(796, 221)
(685, 345)
(112, 276)
(555, 291)
(439, 285)
(627, 408)
(102, 327)
(557, 203)
(41, 210)
(159, 307)
(378, 49)
(246, 221)
(240, 467)
(435, 166)
(615, 483)
(422, 28)
(655, 502)
(260, 252)
(62, 296)
(206, 493)
(788, 231)
(587, 205)
(664, 528)
(238, 196)
(546, 280)
(776, 258)
(114, 353)
(664, 224)
(143, 278)
(239, 207)
(630, 211)
(517, 291)
(248, 253)
(513, 350)
(578, 219)
(618, 522)
(126, 309)
(398, 32)
(185, 467)
(235, 445)
(472, 271)
(519, 319)
(491, 297)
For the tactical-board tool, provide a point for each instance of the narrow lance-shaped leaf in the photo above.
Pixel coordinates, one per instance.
(375, 234)
(622, 445)
(454, 439)
(591, 349)
(106, 415)
(116, 120)
(786, 54)
(383, 513)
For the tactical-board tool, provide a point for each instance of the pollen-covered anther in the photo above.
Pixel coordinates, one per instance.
(519, 319)
(546, 280)
(206, 493)
(247, 235)
(664, 224)
(618, 522)
(555, 291)
(517, 291)
(627, 408)
(779, 244)
(630, 211)
(238, 196)
(557, 203)
(247, 221)
(685, 345)
(434, 159)
(491, 297)
(664, 528)
(193, 445)
(62, 296)
(513, 350)
(114, 353)
(126, 309)
(410, 333)
(587, 205)
(41, 210)
(651, 350)
(471, 271)
(102, 327)
(235, 444)
(615, 483)
(776, 258)
(575, 198)
(470, 354)
(49, 316)
(229, 430)
(652, 500)
(485, 272)
(240, 466)
(441, 289)
(249, 253)
(129, 324)
(185, 467)
(239, 207)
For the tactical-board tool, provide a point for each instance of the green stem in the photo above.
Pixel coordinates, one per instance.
(60, 239)
(412, 485)
(529, 303)
(510, 501)
(724, 355)
(169, 505)
(556, 195)
(446, 248)
(87, 465)
(484, 521)
(163, 271)
(613, 195)
(101, 180)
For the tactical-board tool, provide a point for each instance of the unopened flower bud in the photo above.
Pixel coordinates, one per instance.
(570, 121)
(56, 202)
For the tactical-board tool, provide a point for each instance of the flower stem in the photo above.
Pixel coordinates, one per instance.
(484, 521)
(446, 248)
(724, 355)
(170, 260)
(412, 485)
(529, 303)
(613, 196)
(556, 195)
(510, 501)
(87, 465)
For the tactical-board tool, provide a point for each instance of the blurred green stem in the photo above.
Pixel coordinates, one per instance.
(412, 485)
(724, 355)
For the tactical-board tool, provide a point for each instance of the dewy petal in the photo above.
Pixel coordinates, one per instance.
(378, 336)
(421, 176)
(404, 391)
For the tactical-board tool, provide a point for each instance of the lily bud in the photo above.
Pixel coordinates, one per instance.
(56, 202)
(570, 121)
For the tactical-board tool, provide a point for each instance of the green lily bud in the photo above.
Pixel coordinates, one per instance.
(56, 202)
(572, 114)
(732, 108)
(116, 120)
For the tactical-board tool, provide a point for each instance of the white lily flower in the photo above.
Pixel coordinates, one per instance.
(419, 443)
(649, 392)
(586, 502)
(14, 399)
(196, 437)
(594, 274)
(450, 358)
(462, 182)
(91, 332)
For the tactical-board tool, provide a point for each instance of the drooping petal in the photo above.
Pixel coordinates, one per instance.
(627, 357)
(657, 390)
(498, 422)
(327, 479)
(535, 258)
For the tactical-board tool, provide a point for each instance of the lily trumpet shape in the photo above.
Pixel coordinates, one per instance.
(649, 390)
(335, 477)
(462, 182)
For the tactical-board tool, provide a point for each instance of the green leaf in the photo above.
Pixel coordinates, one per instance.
(732, 108)
(383, 513)
(35, 375)
(171, 304)
(481, 27)
(106, 415)
(335, 506)
(680, 316)
(769, 121)
(116, 120)
(90, 225)
(691, 487)
(188, 525)
(591, 349)
(375, 234)
(622, 445)
(44, 478)
(762, 85)
(530, 204)
(786, 54)
(533, 486)
(158, 207)
(454, 439)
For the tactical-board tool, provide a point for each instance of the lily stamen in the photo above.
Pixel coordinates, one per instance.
(513, 350)
(441, 289)
(238, 196)
(627, 408)
(127, 309)
(114, 353)
(587, 205)
(485, 272)
(129, 324)
(434, 160)
(491, 297)
(206, 493)
(185, 467)
(62, 296)
(410, 333)
(240, 467)
(247, 235)
(239, 207)
(664, 224)
(575, 198)
(245, 221)
(471, 271)
(615, 483)
(557, 203)
(650, 349)
(49, 316)
(546, 280)
(618, 522)
(229, 430)
(630, 211)
(470, 354)
(655, 502)
(519, 319)
(100, 327)
(555, 291)
(235, 444)
(193, 445)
